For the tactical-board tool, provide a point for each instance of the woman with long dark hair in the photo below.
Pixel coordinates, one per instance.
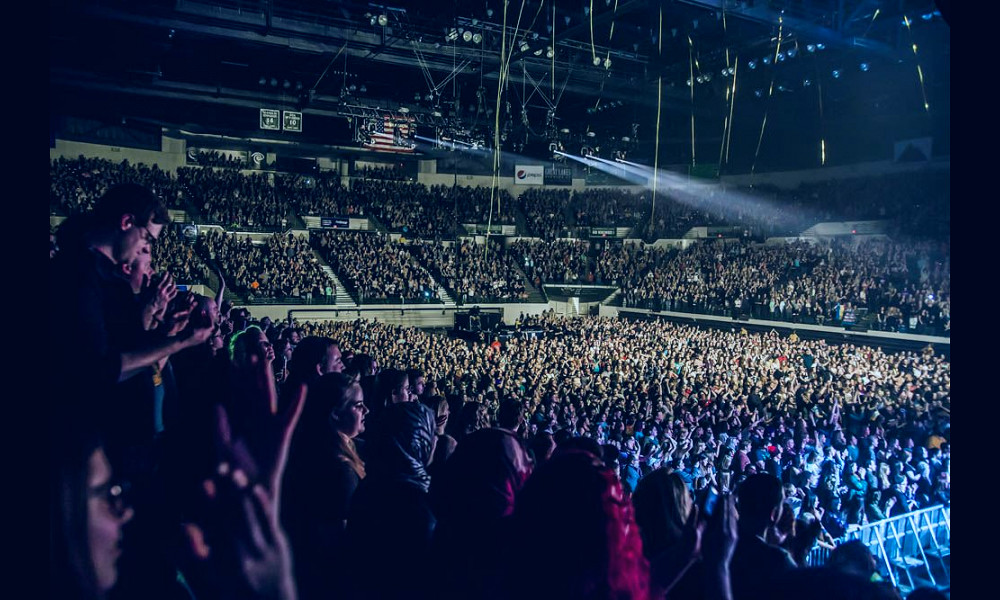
(324, 470)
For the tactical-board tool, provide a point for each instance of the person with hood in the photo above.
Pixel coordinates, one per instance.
(391, 523)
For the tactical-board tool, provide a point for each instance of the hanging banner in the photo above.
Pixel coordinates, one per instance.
(603, 232)
(335, 222)
(558, 175)
(270, 118)
(529, 174)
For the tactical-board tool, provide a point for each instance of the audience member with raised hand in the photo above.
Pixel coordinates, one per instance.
(238, 547)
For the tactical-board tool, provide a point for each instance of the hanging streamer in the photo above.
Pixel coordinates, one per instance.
(872, 22)
(728, 128)
(552, 47)
(691, 65)
(822, 125)
(920, 72)
(659, 111)
(494, 197)
(770, 92)
(593, 50)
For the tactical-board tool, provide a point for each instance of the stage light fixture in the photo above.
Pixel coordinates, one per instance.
(864, 67)
(383, 20)
(767, 60)
(467, 36)
(607, 63)
(477, 38)
(811, 47)
(549, 53)
(524, 46)
(836, 73)
(752, 64)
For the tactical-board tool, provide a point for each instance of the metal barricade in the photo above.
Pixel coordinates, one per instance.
(916, 541)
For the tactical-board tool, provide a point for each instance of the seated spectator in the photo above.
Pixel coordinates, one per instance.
(472, 275)
(377, 269)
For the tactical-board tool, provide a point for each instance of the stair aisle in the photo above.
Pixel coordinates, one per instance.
(343, 298)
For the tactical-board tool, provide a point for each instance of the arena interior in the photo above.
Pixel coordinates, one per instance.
(549, 299)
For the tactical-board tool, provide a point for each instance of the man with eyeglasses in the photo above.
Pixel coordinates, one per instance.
(98, 342)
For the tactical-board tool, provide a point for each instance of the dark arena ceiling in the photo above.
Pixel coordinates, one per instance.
(853, 76)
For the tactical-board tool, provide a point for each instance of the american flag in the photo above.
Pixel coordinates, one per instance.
(388, 134)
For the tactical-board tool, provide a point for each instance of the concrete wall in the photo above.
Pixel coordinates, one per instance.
(170, 156)
(614, 311)
(683, 244)
(410, 316)
(361, 224)
(505, 182)
(792, 179)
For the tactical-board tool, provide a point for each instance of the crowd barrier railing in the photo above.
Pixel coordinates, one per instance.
(904, 543)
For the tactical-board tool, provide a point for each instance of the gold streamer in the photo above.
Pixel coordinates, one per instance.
(691, 65)
(920, 72)
(659, 111)
(770, 92)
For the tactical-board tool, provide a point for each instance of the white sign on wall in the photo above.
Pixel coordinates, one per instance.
(270, 119)
(529, 174)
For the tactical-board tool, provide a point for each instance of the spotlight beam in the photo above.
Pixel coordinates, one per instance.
(735, 206)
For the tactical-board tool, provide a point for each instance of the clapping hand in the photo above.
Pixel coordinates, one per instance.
(720, 537)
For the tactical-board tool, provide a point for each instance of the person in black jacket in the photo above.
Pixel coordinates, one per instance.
(390, 523)
(756, 563)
